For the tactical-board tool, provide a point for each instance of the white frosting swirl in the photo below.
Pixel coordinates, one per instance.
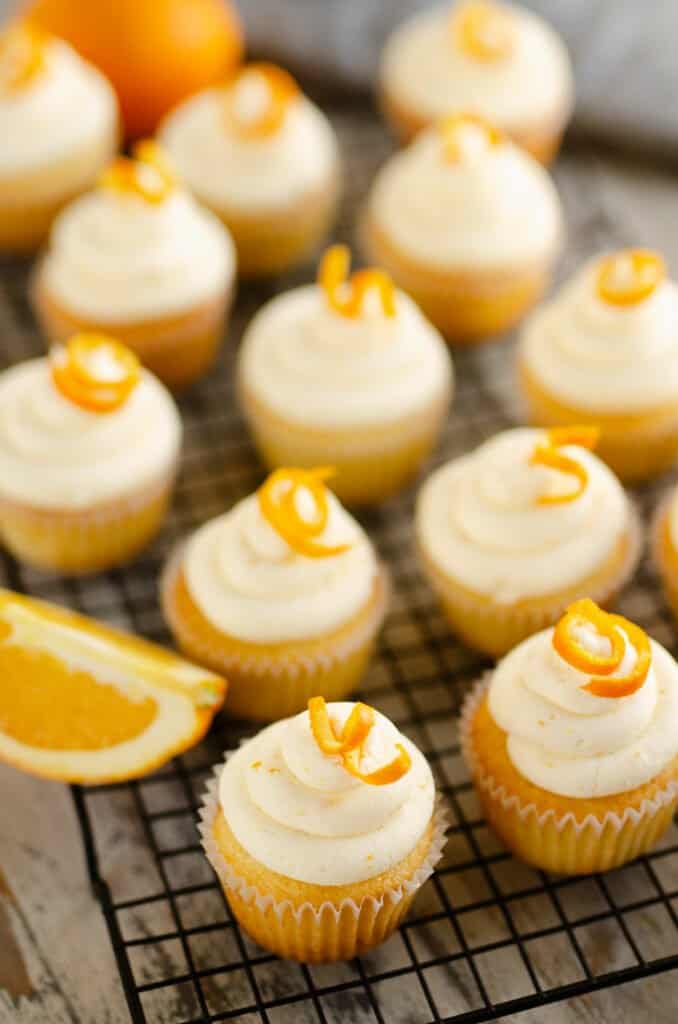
(301, 814)
(317, 367)
(603, 357)
(250, 584)
(53, 454)
(492, 207)
(425, 70)
(117, 258)
(570, 742)
(251, 174)
(66, 105)
(479, 522)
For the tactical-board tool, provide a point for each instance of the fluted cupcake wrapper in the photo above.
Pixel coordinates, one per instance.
(561, 842)
(308, 932)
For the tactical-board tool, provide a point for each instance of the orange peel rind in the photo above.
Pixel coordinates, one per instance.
(484, 30)
(22, 56)
(548, 454)
(280, 91)
(278, 504)
(76, 372)
(630, 276)
(149, 176)
(349, 743)
(345, 295)
(587, 614)
(452, 128)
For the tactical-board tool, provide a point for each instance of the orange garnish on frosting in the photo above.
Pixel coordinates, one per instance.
(483, 30)
(546, 453)
(347, 295)
(149, 175)
(278, 90)
(22, 56)
(348, 745)
(454, 127)
(95, 372)
(586, 615)
(629, 276)
(279, 504)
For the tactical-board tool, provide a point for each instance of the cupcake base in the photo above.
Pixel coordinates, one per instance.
(371, 464)
(636, 446)
(495, 628)
(177, 349)
(565, 835)
(314, 923)
(272, 681)
(76, 542)
(467, 306)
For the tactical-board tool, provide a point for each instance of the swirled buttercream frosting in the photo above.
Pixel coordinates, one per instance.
(571, 742)
(601, 355)
(310, 364)
(489, 522)
(491, 206)
(55, 454)
(299, 811)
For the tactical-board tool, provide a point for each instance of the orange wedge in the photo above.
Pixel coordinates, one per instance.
(81, 702)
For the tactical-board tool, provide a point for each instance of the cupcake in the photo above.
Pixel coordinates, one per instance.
(512, 533)
(605, 350)
(665, 546)
(89, 445)
(138, 258)
(283, 594)
(321, 829)
(496, 59)
(347, 373)
(264, 158)
(572, 743)
(468, 224)
(58, 125)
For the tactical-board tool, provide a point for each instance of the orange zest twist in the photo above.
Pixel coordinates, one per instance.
(347, 296)
(149, 175)
(484, 30)
(349, 744)
(629, 276)
(22, 56)
(452, 130)
(548, 454)
(280, 90)
(278, 503)
(77, 377)
(586, 613)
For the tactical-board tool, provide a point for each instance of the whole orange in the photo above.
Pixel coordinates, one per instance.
(155, 52)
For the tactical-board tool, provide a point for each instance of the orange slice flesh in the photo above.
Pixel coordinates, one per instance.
(84, 703)
(22, 56)
(628, 277)
(272, 89)
(484, 30)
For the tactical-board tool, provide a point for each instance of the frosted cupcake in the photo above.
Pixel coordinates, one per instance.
(58, 125)
(264, 159)
(512, 533)
(572, 743)
(321, 829)
(89, 445)
(347, 373)
(606, 350)
(496, 59)
(468, 224)
(284, 593)
(138, 258)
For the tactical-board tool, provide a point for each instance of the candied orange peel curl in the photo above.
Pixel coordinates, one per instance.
(95, 372)
(279, 90)
(149, 175)
(484, 30)
(629, 276)
(278, 501)
(585, 614)
(22, 56)
(349, 743)
(453, 128)
(345, 295)
(547, 453)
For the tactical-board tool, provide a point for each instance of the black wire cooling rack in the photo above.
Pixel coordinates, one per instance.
(487, 936)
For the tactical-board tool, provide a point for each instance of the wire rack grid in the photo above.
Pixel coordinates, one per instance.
(487, 936)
